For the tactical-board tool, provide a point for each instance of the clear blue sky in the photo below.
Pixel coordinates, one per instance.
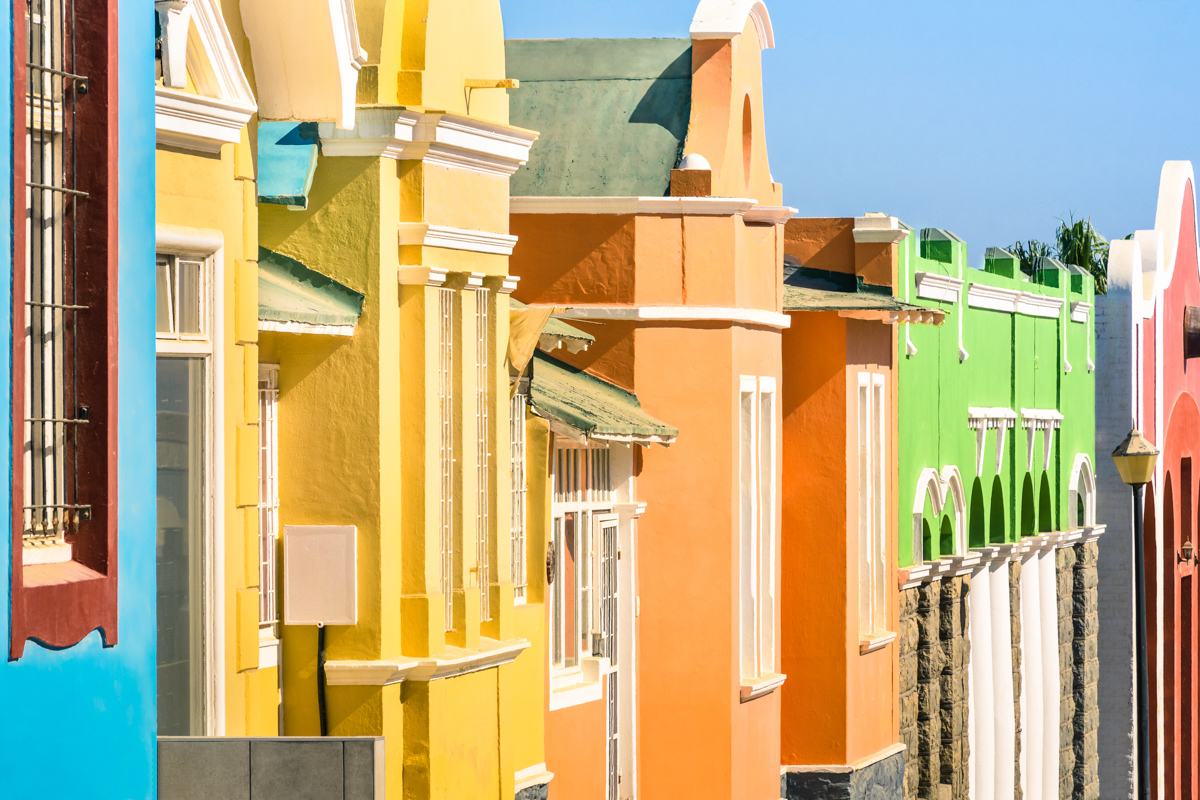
(991, 118)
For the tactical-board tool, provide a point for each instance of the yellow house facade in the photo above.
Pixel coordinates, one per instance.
(383, 342)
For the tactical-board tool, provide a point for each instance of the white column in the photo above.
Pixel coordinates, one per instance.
(1032, 694)
(981, 700)
(1002, 679)
(1051, 674)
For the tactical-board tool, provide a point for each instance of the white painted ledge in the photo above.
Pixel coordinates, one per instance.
(583, 684)
(879, 229)
(745, 316)
(454, 662)
(764, 684)
(423, 234)
(1013, 301)
(193, 122)
(770, 215)
(932, 286)
(875, 642)
(305, 328)
(537, 775)
(368, 673)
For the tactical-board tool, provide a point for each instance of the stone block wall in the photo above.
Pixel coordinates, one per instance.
(1014, 599)
(1064, 565)
(934, 659)
(909, 640)
(1086, 672)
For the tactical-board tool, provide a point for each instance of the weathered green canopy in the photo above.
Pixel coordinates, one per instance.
(292, 297)
(557, 329)
(806, 289)
(595, 408)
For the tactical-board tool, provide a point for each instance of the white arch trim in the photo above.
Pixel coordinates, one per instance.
(1176, 177)
(725, 19)
(957, 494)
(1083, 479)
(929, 483)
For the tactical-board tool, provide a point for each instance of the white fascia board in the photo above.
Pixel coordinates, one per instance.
(1012, 301)
(423, 234)
(726, 19)
(879, 229)
(933, 286)
(445, 140)
(630, 206)
(305, 328)
(195, 122)
(770, 215)
(991, 417)
(1080, 312)
(746, 316)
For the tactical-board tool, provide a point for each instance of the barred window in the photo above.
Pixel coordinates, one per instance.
(446, 460)
(268, 504)
(517, 469)
(483, 453)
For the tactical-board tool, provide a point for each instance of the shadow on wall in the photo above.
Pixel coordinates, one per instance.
(667, 102)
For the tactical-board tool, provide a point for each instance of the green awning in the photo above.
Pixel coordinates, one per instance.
(557, 329)
(806, 289)
(296, 299)
(592, 407)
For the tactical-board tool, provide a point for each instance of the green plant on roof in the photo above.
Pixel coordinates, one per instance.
(1076, 242)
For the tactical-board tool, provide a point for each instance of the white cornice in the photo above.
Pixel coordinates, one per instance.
(770, 215)
(1080, 312)
(457, 661)
(744, 316)
(1013, 301)
(445, 140)
(368, 673)
(422, 276)
(423, 234)
(629, 206)
(194, 122)
(932, 286)
(879, 229)
(726, 19)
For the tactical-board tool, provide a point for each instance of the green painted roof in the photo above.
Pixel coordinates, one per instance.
(288, 291)
(806, 289)
(584, 402)
(287, 160)
(556, 327)
(612, 114)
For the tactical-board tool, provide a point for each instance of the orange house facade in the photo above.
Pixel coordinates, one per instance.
(840, 732)
(648, 216)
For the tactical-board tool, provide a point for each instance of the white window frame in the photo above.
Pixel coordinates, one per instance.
(758, 469)
(207, 246)
(871, 413)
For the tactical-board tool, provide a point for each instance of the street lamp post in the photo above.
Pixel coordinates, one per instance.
(1135, 459)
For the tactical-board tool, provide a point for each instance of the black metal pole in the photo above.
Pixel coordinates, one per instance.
(321, 679)
(1143, 680)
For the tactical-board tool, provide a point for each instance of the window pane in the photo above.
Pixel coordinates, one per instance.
(866, 624)
(747, 538)
(180, 543)
(162, 286)
(188, 309)
(766, 454)
(570, 586)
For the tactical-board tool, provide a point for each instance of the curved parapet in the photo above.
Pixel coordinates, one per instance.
(725, 19)
(1177, 176)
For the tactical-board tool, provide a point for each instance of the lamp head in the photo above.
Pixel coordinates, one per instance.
(1135, 459)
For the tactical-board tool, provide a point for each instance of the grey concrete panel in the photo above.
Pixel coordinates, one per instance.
(296, 770)
(359, 764)
(203, 769)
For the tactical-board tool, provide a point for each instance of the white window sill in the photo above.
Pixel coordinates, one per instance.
(876, 641)
(268, 651)
(757, 687)
(453, 662)
(579, 685)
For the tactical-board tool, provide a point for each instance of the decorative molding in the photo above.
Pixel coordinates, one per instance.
(879, 229)
(1081, 312)
(445, 140)
(932, 286)
(981, 420)
(726, 19)
(1045, 420)
(181, 241)
(760, 686)
(269, 325)
(631, 206)
(456, 661)
(770, 215)
(368, 673)
(1013, 301)
(423, 234)
(527, 778)
(955, 566)
(195, 122)
(174, 19)
(742, 316)
(508, 284)
(873, 643)
(422, 276)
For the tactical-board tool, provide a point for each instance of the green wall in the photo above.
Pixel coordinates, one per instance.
(1005, 359)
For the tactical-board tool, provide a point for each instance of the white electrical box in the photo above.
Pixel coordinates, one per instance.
(320, 575)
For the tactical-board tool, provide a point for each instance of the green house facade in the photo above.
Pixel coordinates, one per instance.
(997, 529)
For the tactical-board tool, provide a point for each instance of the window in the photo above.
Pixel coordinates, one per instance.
(446, 460)
(483, 445)
(582, 491)
(517, 470)
(64, 527)
(758, 471)
(268, 504)
(872, 503)
(185, 406)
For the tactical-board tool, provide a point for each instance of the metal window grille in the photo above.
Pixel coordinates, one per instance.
(268, 506)
(446, 424)
(582, 475)
(483, 454)
(52, 507)
(609, 645)
(517, 469)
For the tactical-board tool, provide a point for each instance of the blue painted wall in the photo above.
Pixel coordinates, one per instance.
(80, 723)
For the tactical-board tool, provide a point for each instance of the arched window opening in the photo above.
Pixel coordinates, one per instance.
(1045, 506)
(978, 529)
(1082, 497)
(997, 522)
(1028, 509)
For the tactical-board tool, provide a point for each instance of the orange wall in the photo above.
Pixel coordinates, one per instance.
(575, 750)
